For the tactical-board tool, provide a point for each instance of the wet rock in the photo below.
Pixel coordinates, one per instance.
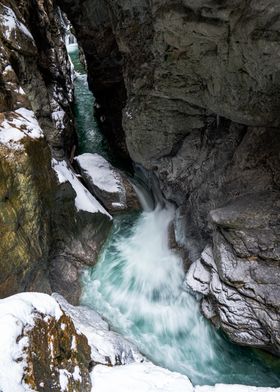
(200, 107)
(111, 186)
(240, 277)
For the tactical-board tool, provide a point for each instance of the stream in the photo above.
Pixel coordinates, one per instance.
(138, 286)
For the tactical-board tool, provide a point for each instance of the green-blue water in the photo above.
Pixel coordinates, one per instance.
(138, 286)
(89, 137)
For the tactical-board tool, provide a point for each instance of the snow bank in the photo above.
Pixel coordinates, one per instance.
(17, 125)
(146, 377)
(84, 200)
(17, 312)
(138, 377)
(105, 344)
(234, 388)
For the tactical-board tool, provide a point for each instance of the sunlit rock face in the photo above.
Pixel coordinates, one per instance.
(200, 109)
(25, 171)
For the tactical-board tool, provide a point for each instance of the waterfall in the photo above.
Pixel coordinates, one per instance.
(138, 286)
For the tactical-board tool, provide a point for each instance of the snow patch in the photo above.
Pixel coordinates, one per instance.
(17, 312)
(63, 379)
(233, 388)
(102, 174)
(84, 200)
(17, 125)
(103, 342)
(11, 23)
(146, 377)
(138, 377)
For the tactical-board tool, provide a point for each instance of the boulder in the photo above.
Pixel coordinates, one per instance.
(80, 226)
(40, 348)
(111, 186)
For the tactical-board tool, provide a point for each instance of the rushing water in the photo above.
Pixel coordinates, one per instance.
(138, 286)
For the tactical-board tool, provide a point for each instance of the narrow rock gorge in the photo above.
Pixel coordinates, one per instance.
(196, 84)
(187, 97)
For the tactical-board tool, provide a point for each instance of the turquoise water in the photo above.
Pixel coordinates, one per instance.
(89, 137)
(138, 286)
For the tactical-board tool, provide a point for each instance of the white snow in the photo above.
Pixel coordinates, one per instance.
(234, 388)
(103, 175)
(84, 200)
(146, 377)
(17, 125)
(77, 374)
(10, 22)
(63, 379)
(103, 342)
(17, 312)
(138, 377)
(137, 374)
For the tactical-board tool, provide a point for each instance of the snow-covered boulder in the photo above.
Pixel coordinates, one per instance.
(40, 349)
(80, 227)
(110, 185)
(107, 347)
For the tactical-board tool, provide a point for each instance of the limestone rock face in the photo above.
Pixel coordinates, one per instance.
(200, 110)
(111, 186)
(239, 277)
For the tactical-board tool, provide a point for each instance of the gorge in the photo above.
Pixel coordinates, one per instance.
(188, 91)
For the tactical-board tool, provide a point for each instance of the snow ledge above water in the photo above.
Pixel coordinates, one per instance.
(84, 200)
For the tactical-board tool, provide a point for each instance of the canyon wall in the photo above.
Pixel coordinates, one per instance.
(46, 235)
(191, 88)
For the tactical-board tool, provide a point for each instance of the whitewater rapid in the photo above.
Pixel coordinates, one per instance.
(138, 286)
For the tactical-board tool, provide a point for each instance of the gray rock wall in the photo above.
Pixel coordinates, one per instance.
(200, 110)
